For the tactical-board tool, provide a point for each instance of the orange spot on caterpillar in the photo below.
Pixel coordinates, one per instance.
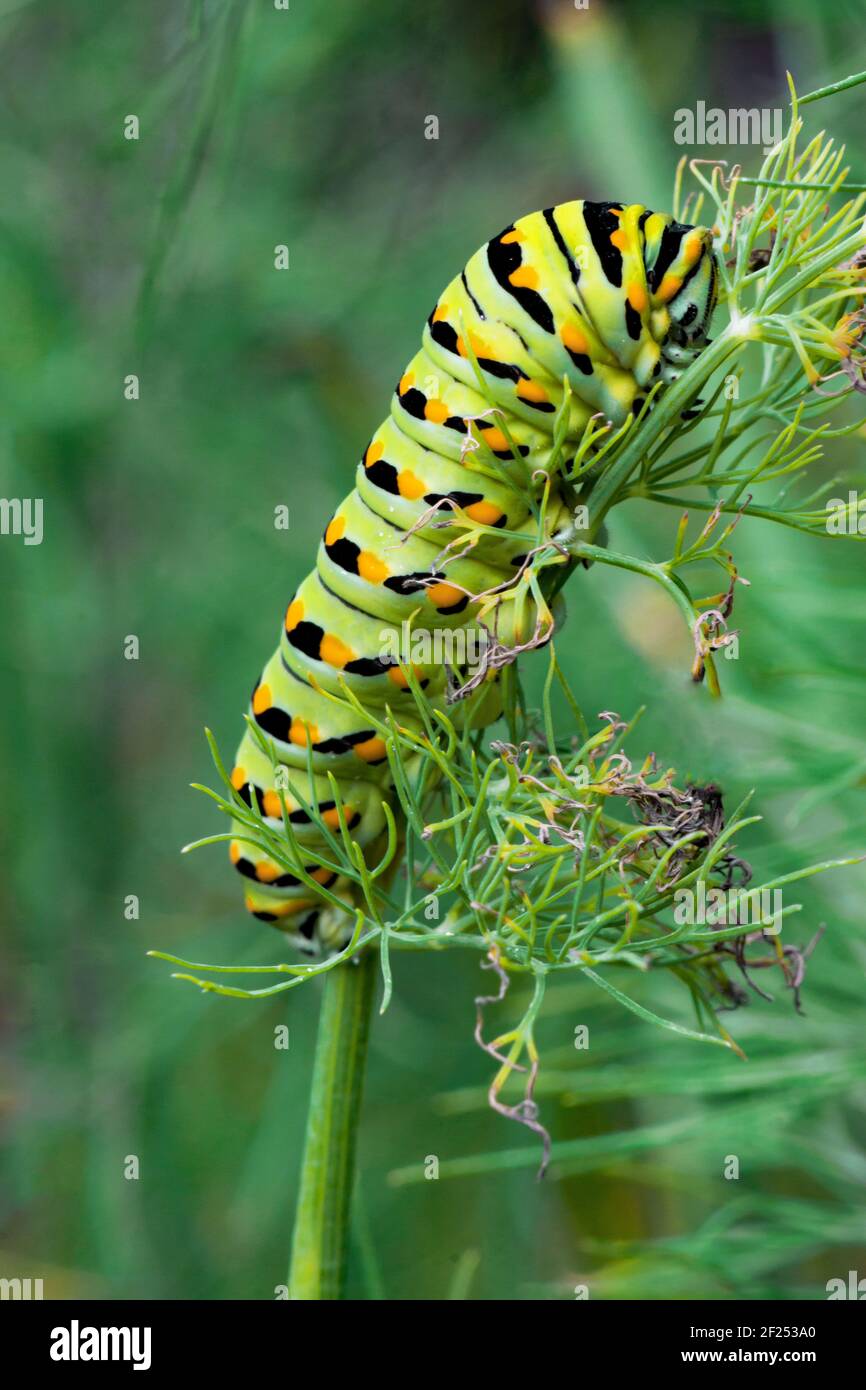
(530, 390)
(372, 750)
(239, 778)
(444, 595)
(374, 453)
(332, 816)
(636, 295)
(619, 239)
(406, 380)
(266, 872)
(410, 486)
(524, 277)
(479, 347)
(693, 247)
(262, 699)
(371, 568)
(670, 285)
(573, 338)
(301, 733)
(513, 235)
(440, 313)
(294, 614)
(334, 652)
(336, 529)
(234, 851)
(400, 678)
(436, 412)
(286, 909)
(272, 805)
(484, 512)
(495, 440)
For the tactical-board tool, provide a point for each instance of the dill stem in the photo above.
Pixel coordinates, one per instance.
(321, 1234)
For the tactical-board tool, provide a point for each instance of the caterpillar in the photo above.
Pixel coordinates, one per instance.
(609, 298)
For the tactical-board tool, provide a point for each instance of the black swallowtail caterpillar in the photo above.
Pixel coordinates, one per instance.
(609, 297)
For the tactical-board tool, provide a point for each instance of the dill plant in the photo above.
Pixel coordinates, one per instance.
(549, 850)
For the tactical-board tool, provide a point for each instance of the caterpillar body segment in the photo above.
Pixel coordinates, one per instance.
(305, 727)
(413, 491)
(394, 576)
(606, 299)
(275, 892)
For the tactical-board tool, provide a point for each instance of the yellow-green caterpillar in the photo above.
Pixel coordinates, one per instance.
(609, 297)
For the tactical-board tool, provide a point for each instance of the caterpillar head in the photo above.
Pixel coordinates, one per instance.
(682, 278)
(691, 307)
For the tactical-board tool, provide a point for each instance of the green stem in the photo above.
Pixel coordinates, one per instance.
(321, 1236)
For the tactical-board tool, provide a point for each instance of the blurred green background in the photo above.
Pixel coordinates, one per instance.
(305, 127)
